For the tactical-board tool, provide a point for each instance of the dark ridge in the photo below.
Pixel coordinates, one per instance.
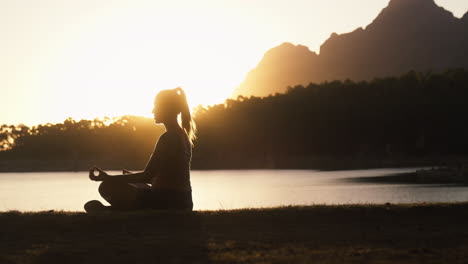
(407, 35)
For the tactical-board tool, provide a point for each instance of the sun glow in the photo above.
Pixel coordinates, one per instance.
(87, 58)
(121, 71)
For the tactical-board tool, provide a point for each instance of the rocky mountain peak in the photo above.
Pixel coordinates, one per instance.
(407, 35)
(410, 12)
(407, 3)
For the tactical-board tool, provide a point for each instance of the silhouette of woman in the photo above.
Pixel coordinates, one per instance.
(165, 182)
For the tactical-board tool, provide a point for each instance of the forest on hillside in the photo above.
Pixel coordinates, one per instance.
(419, 117)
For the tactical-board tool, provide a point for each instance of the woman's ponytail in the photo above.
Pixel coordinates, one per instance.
(187, 122)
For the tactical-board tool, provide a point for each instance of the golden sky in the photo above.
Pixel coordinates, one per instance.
(95, 58)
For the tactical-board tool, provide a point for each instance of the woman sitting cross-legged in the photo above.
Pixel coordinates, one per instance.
(165, 182)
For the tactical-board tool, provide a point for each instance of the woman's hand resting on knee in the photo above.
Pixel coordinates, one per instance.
(102, 175)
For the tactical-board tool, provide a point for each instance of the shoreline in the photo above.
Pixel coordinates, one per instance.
(388, 233)
(227, 169)
(70, 169)
(254, 163)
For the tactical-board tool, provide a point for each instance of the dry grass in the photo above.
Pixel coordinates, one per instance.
(425, 233)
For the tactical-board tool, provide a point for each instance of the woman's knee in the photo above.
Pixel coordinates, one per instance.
(106, 188)
(119, 194)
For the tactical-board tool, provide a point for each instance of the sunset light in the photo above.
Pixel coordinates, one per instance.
(87, 59)
(233, 131)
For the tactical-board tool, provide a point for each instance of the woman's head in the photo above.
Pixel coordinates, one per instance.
(167, 107)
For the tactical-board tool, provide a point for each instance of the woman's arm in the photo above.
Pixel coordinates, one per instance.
(164, 149)
(138, 177)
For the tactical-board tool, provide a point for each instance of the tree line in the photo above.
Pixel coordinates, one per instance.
(416, 115)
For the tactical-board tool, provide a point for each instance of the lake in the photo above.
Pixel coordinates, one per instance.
(230, 189)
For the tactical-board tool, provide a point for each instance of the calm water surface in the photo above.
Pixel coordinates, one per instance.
(229, 189)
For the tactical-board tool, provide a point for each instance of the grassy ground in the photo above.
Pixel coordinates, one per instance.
(432, 233)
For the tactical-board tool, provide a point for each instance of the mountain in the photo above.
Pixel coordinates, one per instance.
(406, 35)
(465, 19)
(278, 67)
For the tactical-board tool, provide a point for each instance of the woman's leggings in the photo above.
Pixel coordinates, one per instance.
(128, 196)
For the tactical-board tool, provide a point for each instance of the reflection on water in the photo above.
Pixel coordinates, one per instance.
(229, 189)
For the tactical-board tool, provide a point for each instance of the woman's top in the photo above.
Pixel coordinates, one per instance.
(169, 166)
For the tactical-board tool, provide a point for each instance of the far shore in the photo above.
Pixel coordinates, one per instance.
(312, 163)
(403, 233)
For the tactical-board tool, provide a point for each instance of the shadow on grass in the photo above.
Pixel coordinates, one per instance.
(130, 237)
(421, 233)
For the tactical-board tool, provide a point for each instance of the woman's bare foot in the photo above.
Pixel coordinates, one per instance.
(95, 206)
